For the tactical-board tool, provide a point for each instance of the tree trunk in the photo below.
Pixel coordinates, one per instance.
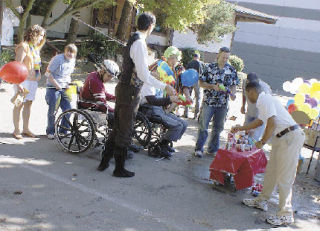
(74, 28)
(125, 21)
(21, 29)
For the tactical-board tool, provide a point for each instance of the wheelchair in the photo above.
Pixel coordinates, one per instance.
(79, 129)
(148, 132)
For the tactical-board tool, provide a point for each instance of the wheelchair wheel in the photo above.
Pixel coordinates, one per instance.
(75, 131)
(142, 129)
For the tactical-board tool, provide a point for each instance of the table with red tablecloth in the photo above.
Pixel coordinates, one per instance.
(242, 165)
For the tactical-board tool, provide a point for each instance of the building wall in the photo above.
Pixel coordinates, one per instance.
(62, 27)
(283, 51)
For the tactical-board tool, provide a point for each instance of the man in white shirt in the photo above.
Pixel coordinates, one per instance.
(287, 141)
(252, 111)
(134, 74)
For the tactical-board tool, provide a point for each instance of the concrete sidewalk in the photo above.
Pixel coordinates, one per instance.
(44, 188)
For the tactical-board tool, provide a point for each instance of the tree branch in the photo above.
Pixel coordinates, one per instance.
(48, 13)
(27, 10)
(68, 11)
(11, 7)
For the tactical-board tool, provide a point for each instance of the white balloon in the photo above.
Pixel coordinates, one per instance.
(286, 86)
(298, 81)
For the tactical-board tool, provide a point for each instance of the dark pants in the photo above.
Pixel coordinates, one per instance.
(127, 104)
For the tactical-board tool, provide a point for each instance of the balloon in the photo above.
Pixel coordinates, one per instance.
(314, 113)
(304, 88)
(315, 95)
(286, 86)
(297, 81)
(299, 99)
(292, 108)
(290, 101)
(14, 72)
(305, 108)
(313, 102)
(189, 77)
(165, 72)
(315, 87)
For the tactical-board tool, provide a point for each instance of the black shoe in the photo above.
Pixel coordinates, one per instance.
(170, 149)
(107, 154)
(120, 157)
(164, 151)
(134, 148)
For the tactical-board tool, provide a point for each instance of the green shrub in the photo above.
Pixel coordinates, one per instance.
(187, 55)
(98, 48)
(6, 56)
(236, 62)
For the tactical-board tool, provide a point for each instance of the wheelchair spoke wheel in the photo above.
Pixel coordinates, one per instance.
(142, 129)
(75, 131)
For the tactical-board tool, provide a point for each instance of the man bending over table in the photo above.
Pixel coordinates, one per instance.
(287, 141)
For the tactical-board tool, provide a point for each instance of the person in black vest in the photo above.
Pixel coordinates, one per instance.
(134, 74)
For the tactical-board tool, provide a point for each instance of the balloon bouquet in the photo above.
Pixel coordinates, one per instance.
(307, 96)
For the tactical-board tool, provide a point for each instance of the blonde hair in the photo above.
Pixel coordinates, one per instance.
(72, 48)
(34, 31)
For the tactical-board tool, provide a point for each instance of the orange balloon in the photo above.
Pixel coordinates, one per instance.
(14, 72)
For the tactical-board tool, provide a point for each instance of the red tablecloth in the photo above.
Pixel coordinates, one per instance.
(243, 165)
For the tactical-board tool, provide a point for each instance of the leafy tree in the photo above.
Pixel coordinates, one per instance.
(73, 6)
(219, 22)
(209, 19)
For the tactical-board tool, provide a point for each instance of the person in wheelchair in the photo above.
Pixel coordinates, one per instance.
(93, 94)
(152, 107)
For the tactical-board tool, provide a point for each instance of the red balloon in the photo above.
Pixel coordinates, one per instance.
(292, 108)
(14, 72)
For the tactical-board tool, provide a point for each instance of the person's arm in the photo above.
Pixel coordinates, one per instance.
(139, 54)
(53, 66)
(110, 97)
(209, 86)
(271, 125)
(20, 55)
(254, 124)
(153, 100)
(243, 108)
(52, 80)
(233, 92)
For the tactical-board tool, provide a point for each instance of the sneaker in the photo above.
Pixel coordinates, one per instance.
(280, 220)
(198, 153)
(211, 153)
(255, 203)
(50, 136)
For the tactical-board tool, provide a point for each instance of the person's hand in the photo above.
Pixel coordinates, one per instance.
(155, 74)
(175, 99)
(20, 88)
(58, 88)
(259, 144)
(216, 87)
(233, 97)
(243, 110)
(235, 129)
(170, 90)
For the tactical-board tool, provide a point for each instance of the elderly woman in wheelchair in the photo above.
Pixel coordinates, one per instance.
(173, 127)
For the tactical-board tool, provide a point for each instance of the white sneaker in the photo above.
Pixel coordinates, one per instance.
(50, 136)
(211, 153)
(198, 153)
(255, 203)
(280, 220)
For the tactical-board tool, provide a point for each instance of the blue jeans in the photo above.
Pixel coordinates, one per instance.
(52, 96)
(207, 112)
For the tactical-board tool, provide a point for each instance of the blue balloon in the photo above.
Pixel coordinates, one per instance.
(189, 77)
(290, 101)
